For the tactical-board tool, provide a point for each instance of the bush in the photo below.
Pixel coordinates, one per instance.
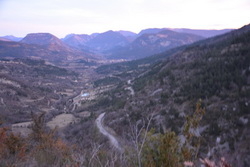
(162, 150)
(12, 148)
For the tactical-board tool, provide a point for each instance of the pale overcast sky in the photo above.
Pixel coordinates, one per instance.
(62, 17)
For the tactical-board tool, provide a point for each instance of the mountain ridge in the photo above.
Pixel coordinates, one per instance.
(150, 44)
(45, 39)
(107, 40)
(205, 33)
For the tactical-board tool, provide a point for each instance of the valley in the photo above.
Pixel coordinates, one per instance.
(114, 99)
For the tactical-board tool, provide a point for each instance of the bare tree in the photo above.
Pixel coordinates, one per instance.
(95, 150)
(139, 134)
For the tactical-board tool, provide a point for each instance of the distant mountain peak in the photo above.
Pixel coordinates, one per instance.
(11, 38)
(153, 41)
(127, 33)
(40, 39)
(151, 31)
(107, 40)
(77, 40)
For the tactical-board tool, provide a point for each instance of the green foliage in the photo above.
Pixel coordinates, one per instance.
(192, 143)
(135, 116)
(38, 127)
(217, 70)
(12, 148)
(162, 150)
(47, 150)
(32, 62)
(139, 84)
(106, 81)
(244, 38)
(51, 70)
(164, 97)
(104, 102)
(118, 103)
(88, 63)
(166, 150)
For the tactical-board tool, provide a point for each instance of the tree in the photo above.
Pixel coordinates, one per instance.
(47, 148)
(12, 148)
(191, 133)
(162, 150)
(168, 150)
(139, 136)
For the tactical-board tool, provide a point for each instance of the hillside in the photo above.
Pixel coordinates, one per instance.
(32, 86)
(214, 70)
(77, 40)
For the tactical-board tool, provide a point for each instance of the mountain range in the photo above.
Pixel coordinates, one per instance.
(113, 45)
(42, 46)
(11, 38)
(107, 45)
(152, 43)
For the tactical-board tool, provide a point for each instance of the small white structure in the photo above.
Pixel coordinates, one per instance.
(85, 94)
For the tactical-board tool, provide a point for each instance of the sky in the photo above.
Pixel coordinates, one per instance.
(62, 17)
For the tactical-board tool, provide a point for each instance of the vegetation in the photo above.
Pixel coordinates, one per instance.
(31, 85)
(41, 148)
(157, 125)
(106, 81)
(162, 150)
(12, 148)
(215, 70)
(44, 148)
(167, 149)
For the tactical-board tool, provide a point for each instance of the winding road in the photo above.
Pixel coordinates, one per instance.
(112, 139)
(132, 92)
